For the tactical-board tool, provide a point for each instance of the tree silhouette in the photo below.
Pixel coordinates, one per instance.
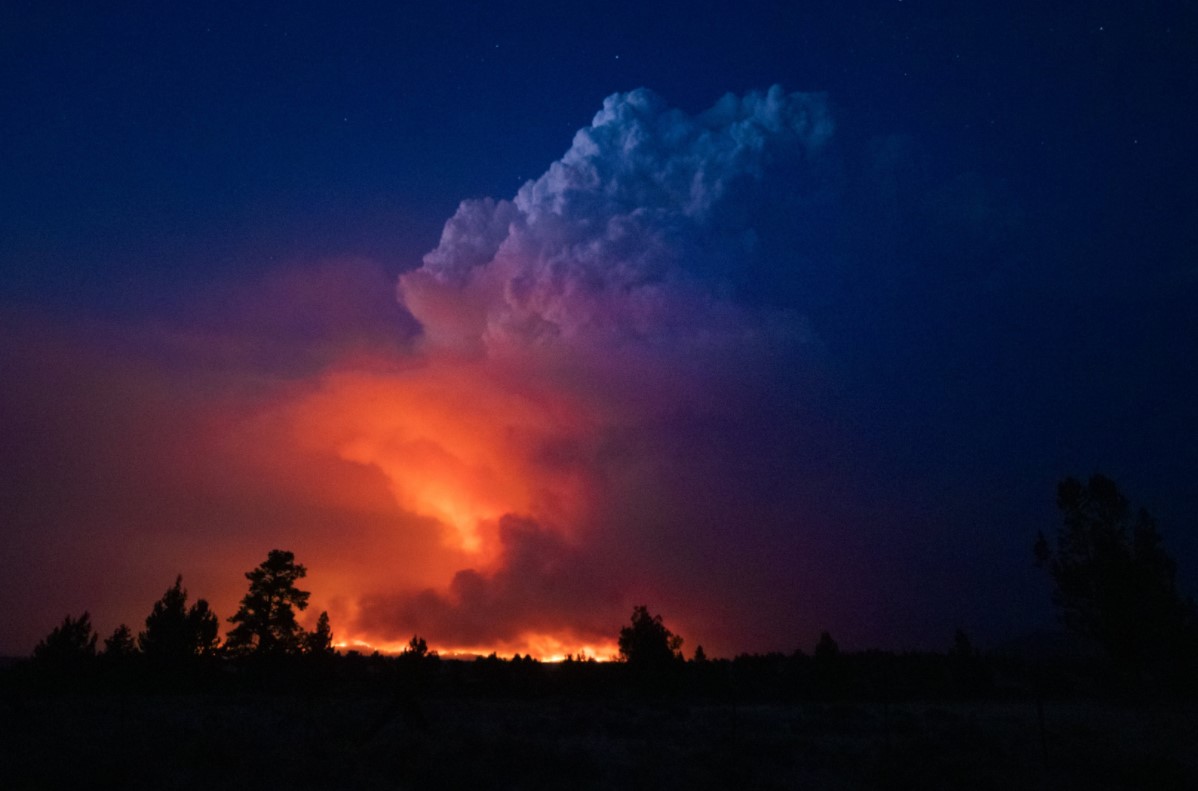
(70, 642)
(1114, 582)
(646, 643)
(829, 672)
(320, 641)
(120, 644)
(265, 622)
(417, 654)
(416, 647)
(826, 649)
(205, 628)
(174, 632)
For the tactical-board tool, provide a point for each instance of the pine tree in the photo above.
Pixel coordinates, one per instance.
(1114, 581)
(647, 643)
(174, 632)
(121, 644)
(265, 622)
(72, 642)
(320, 640)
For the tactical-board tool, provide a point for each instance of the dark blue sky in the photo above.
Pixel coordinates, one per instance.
(998, 251)
(136, 140)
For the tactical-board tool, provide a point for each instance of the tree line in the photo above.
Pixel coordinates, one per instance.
(1114, 586)
(265, 624)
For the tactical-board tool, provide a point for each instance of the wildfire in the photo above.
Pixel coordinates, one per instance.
(543, 647)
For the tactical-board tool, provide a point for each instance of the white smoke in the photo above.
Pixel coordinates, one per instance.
(635, 233)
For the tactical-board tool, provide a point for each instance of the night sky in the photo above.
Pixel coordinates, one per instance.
(506, 317)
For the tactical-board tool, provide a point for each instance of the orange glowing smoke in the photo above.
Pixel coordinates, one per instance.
(453, 446)
(457, 447)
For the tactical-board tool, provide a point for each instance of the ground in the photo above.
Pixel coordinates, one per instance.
(320, 742)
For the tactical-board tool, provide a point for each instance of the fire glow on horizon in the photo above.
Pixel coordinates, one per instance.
(544, 648)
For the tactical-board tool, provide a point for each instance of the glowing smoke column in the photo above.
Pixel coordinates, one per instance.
(574, 318)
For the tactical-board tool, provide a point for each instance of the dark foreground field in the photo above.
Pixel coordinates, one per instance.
(282, 742)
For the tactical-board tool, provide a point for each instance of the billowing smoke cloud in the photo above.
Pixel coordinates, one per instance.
(598, 329)
(593, 402)
(600, 392)
(639, 233)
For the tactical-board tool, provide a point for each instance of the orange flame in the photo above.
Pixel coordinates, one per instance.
(544, 647)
